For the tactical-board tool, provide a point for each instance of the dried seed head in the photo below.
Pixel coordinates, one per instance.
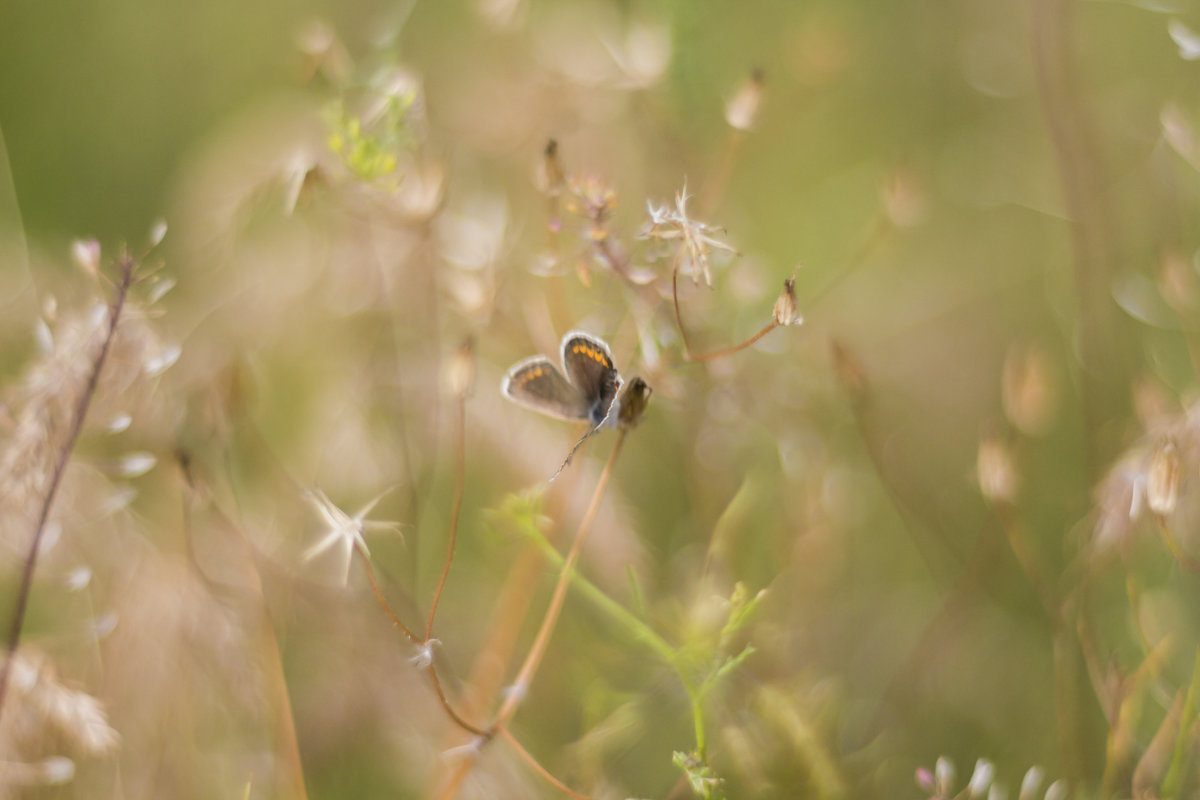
(1029, 390)
(1162, 480)
(635, 396)
(458, 372)
(695, 239)
(996, 470)
(741, 112)
(785, 312)
(551, 177)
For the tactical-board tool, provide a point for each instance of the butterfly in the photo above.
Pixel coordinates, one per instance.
(585, 389)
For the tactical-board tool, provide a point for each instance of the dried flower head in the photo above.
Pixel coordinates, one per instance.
(695, 238)
(741, 112)
(786, 312)
(344, 530)
(593, 200)
(635, 396)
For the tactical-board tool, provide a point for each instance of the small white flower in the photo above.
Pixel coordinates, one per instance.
(424, 656)
(344, 530)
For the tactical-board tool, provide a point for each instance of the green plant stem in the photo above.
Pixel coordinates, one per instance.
(636, 628)
(698, 723)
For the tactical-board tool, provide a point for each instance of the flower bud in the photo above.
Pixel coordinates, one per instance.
(741, 112)
(785, 312)
(635, 396)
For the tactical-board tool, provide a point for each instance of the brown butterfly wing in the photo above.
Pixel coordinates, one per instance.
(538, 384)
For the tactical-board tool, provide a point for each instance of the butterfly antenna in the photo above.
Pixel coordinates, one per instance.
(567, 461)
(598, 426)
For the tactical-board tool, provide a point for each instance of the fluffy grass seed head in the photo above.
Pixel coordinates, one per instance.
(696, 240)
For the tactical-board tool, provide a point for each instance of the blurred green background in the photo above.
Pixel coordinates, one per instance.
(955, 185)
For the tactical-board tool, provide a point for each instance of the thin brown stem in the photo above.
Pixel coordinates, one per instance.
(412, 637)
(64, 456)
(462, 723)
(538, 649)
(687, 348)
(728, 351)
(383, 603)
(538, 768)
(460, 479)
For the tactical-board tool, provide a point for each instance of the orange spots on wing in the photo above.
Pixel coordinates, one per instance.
(526, 377)
(592, 353)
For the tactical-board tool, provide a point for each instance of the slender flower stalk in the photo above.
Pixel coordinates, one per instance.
(76, 425)
(550, 620)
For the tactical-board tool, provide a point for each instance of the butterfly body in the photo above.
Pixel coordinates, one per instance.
(585, 389)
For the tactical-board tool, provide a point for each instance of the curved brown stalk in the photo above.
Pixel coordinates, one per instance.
(538, 768)
(728, 351)
(542, 640)
(430, 669)
(460, 479)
